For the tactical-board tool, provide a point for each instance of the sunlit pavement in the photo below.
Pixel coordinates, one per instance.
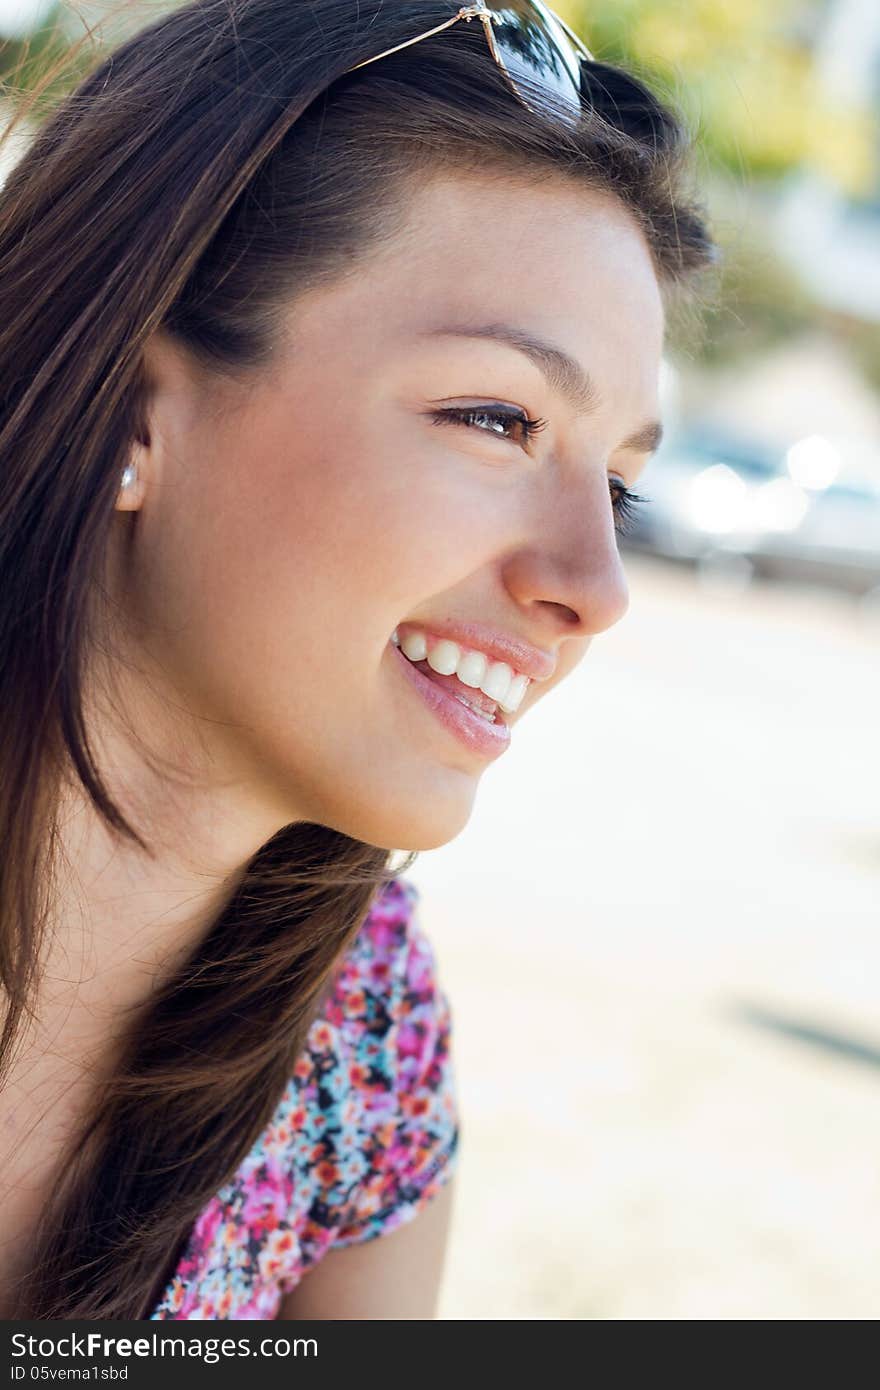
(660, 934)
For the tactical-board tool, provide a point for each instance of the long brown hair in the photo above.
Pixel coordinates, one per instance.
(196, 178)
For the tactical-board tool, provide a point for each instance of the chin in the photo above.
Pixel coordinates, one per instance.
(421, 821)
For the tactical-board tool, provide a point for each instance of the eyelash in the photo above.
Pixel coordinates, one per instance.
(625, 502)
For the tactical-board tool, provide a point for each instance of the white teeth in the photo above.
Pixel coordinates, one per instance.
(443, 657)
(496, 679)
(472, 668)
(513, 699)
(414, 646)
(497, 682)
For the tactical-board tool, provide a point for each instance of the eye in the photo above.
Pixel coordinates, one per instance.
(497, 420)
(491, 420)
(626, 506)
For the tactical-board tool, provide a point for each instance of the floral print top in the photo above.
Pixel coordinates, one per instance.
(364, 1135)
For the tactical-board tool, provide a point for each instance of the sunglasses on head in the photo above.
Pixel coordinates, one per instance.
(530, 44)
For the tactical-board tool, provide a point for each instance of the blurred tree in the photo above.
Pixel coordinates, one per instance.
(746, 75)
(744, 72)
(27, 57)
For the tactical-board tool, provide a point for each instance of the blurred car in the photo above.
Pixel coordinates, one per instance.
(714, 496)
(701, 486)
(837, 541)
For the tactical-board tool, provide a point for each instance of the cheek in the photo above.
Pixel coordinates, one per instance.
(249, 562)
(377, 516)
(271, 582)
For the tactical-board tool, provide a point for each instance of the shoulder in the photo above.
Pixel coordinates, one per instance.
(378, 955)
(389, 972)
(387, 1022)
(364, 1135)
(382, 1044)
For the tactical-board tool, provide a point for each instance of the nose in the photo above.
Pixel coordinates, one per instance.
(571, 566)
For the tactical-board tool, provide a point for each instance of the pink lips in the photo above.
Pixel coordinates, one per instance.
(482, 737)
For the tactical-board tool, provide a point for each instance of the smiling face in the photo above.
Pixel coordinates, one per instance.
(288, 525)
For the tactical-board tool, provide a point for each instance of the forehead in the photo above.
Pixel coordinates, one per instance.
(547, 245)
(564, 261)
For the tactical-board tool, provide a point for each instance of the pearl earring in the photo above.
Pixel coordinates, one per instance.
(129, 473)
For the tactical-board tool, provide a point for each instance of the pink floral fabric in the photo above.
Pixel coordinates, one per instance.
(364, 1135)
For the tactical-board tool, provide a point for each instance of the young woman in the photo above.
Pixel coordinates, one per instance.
(327, 373)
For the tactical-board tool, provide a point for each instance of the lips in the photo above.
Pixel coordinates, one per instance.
(452, 683)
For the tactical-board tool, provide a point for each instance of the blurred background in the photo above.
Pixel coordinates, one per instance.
(659, 931)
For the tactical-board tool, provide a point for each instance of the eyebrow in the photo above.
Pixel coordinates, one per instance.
(563, 373)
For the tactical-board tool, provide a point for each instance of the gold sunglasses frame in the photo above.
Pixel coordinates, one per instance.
(487, 18)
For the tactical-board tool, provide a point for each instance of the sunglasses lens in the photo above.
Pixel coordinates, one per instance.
(533, 46)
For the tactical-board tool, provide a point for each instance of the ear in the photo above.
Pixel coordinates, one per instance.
(163, 370)
(132, 481)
